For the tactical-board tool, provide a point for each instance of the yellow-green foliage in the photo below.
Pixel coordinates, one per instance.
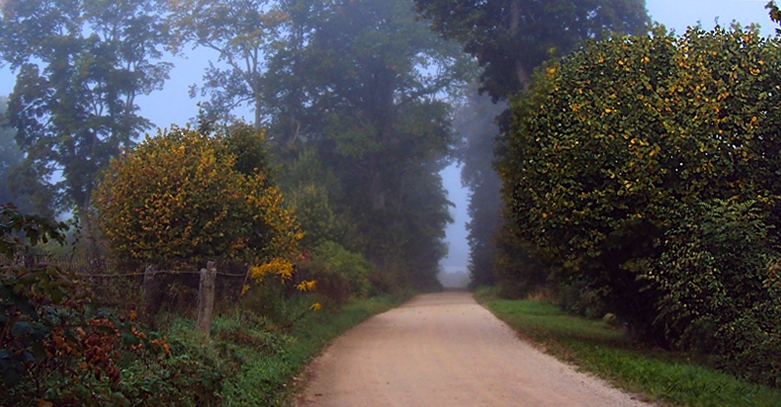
(630, 129)
(179, 196)
(648, 169)
(339, 273)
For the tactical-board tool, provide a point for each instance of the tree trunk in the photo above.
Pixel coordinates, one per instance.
(515, 22)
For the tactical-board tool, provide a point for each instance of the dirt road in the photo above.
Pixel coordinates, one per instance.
(446, 350)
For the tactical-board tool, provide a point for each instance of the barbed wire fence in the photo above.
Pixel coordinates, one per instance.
(121, 285)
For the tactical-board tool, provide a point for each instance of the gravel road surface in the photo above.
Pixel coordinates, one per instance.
(446, 350)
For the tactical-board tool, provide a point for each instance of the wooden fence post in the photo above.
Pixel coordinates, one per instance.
(206, 298)
(151, 296)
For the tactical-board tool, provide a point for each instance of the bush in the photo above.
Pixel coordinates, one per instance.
(339, 273)
(719, 284)
(614, 143)
(56, 347)
(188, 195)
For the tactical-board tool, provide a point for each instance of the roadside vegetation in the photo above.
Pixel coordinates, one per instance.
(61, 347)
(206, 263)
(254, 361)
(639, 174)
(603, 348)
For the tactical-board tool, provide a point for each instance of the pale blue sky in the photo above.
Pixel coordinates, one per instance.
(172, 105)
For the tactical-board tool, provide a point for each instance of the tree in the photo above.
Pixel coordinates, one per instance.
(512, 37)
(383, 131)
(475, 123)
(615, 139)
(21, 185)
(182, 196)
(775, 13)
(361, 84)
(10, 154)
(80, 65)
(242, 32)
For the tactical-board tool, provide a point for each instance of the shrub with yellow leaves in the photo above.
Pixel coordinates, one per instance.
(306, 285)
(188, 195)
(278, 267)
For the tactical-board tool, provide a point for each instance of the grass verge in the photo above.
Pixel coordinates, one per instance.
(255, 360)
(665, 377)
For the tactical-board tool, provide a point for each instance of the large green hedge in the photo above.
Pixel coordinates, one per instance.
(615, 150)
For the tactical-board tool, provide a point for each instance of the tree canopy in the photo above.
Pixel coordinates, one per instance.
(80, 65)
(243, 33)
(512, 37)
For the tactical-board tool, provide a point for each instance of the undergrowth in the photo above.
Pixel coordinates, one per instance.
(257, 359)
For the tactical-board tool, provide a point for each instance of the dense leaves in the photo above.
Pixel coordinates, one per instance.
(80, 65)
(339, 273)
(356, 90)
(383, 131)
(720, 288)
(58, 349)
(512, 37)
(186, 195)
(616, 147)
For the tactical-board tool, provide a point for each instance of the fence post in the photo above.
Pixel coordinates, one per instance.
(151, 295)
(206, 298)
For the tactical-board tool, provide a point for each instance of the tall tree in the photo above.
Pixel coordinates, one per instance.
(10, 154)
(361, 83)
(510, 38)
(475, 124)
(243, 33)
(80, 65)
(384, 130)
(20, 184)
(366, 87)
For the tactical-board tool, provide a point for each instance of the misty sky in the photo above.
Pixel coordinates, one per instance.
(172, 105)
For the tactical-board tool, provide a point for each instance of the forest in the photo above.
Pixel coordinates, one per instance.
(614, 168)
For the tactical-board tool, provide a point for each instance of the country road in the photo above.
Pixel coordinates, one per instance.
(446, 350)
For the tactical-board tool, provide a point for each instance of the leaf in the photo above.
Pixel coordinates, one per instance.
(20, 328)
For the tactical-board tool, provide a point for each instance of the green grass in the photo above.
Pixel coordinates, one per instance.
(256, 358)
(592, 345)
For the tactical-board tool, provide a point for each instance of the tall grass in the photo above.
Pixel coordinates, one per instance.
(258, 360)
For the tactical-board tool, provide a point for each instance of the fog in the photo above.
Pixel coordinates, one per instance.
(172, 105)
